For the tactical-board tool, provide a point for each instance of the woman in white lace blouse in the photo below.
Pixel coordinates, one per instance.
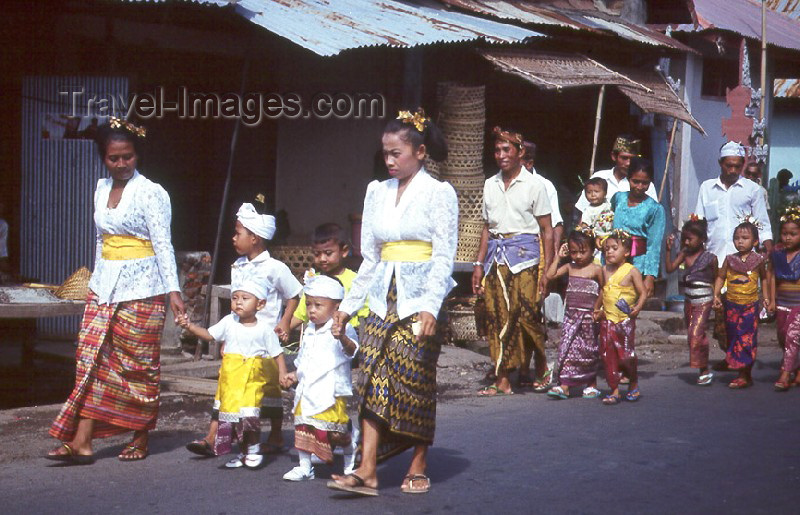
(118, 358)
(408, 242)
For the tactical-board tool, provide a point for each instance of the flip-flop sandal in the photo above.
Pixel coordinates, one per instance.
(358, 488)
(739, 384)
(542, 384)
(591, 392)
(612, 400)
(409, 487)
(484, 392)
(705, 380)
(633, 395)
(782, 386)
(201, 447)
(70, 456)
(129, 453)
(557, 392)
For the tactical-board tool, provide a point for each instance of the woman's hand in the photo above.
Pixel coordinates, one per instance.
(427, 325)
(176, 304)
(477, 280)
(340, 319)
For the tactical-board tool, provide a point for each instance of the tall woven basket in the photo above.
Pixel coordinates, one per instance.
(76, 287)
(469, 238)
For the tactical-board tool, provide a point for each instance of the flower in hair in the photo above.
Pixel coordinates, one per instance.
(309, 275)
(417, 119)
(585, 229)
(791, 214)
(750, 219)
(119, 123)
(620, 234)
(694, 217)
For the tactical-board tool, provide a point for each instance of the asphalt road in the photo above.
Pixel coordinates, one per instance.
(680, 449)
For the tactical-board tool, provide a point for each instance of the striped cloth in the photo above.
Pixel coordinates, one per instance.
(118, 368)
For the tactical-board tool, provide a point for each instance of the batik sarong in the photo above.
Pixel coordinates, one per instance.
(240, 389)
(117, 369)
(697, 316)
(320, 433)
(398, 385)
(618, 351)
(578, 351)
(741, 326)
(513, 316)
(788, 320)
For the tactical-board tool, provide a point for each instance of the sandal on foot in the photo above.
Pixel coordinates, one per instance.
(557, 392)
(409, 487)
(705, 379)
(739, 383)
(133, 452)
(633, 395)
(782, 386)
(70, 456)
(542, 384)
(495, 392)
(590, 392)
(611, 400)
(201, 448)
(359, 487)
(625, 380)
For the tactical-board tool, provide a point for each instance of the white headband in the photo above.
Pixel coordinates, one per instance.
(323, 286)
(731, 149)
(261, 225)
(259, 290)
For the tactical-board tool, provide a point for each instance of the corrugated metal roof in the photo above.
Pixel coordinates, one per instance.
(327, 28)
(786, 88)
(790, 8)
(744, 17)
(550, 15)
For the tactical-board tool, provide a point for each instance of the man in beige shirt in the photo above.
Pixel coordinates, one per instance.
(516, 211)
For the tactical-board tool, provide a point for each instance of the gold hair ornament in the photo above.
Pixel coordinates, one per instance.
(417, 119)
(260, 198)
(585, 229)
(119, 123)
(750, 219)
(620, 234)
(791, 214)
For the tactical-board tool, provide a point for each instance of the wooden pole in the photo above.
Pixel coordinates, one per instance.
(763, 64)
(669, 158)
(598, 117)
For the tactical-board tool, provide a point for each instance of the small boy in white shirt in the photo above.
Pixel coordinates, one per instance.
(248, 344)
(598, 215)
(324, 382)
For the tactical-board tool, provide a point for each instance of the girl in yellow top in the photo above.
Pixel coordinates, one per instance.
(741, 272)
(623, 298)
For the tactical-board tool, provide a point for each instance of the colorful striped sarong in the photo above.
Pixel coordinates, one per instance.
(398, 385)
(697, 315)
(319, 434)
(118, 369)
(618, 350)
(578, 352)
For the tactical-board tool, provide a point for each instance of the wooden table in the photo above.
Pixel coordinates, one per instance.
(34, 310)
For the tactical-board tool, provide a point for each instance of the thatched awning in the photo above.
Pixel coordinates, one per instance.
(554, 70)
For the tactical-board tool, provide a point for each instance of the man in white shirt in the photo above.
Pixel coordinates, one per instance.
(517, 214)
(625, 148)
(725, 200)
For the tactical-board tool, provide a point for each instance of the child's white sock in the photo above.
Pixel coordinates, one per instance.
(254, 449)
(305, 461)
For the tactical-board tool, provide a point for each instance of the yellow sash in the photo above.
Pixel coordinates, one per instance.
(117, 247)
(406, 250)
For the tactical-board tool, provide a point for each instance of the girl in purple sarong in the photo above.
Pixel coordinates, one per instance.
(741, 273)
(697, 281)
(578, 352)
(784, 279)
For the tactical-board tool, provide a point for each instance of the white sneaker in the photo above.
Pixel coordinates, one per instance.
(252, 461)
(236, 462)
(298, 474)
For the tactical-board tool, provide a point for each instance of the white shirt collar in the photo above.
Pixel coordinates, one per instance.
(718, 183)
(313, 329)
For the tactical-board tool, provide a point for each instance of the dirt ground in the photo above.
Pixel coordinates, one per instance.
(461, 373)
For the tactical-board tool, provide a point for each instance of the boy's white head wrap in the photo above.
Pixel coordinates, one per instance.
(261, 225)
(731, 149)
(258, 289)
(323, 286)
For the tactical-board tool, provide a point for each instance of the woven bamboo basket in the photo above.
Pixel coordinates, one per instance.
(456, 94)
(469, 112)
(462, 168)
(469, 238)
(461, 153)
(462, 326)
(297, 258)
(432, 167)
(452, 126)
(465, 182)
(76, 287)
(470, 204)
(469, 139)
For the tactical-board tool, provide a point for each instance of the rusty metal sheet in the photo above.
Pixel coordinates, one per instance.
(786, 88)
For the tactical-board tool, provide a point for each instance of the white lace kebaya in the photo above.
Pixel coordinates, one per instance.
(144, 212)
(427, 211)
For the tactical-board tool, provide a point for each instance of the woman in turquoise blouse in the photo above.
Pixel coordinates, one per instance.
(643, 218)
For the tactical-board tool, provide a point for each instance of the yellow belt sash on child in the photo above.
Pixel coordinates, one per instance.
(117, 247)
(407, 250)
